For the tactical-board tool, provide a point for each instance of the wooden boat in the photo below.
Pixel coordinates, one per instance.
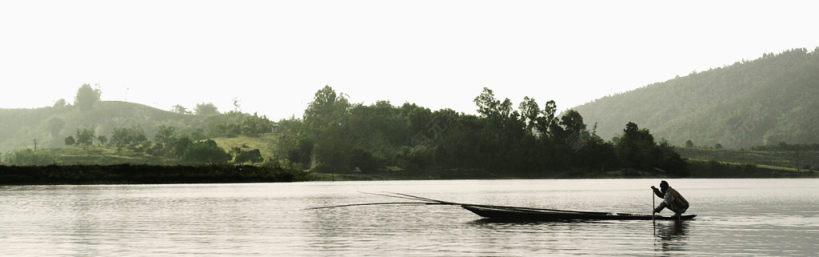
(508, 213)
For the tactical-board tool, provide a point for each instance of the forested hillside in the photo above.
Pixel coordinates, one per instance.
(109, 132)
(765, 101)
(49, 126)
(334, 135)
(505, 140)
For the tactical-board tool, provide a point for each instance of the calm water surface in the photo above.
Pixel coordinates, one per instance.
(736, 217)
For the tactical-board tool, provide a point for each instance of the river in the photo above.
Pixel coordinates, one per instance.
(735, 217)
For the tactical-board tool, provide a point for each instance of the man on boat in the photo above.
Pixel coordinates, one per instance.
(672, 199)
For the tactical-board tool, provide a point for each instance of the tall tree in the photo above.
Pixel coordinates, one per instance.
(572, 122)
(326, 122)
(637, 149)
(530, 112)
(164, 135)
(85, 137)
(87, 97)
(488, 105)
(547, 122)
(59, 103)
(180, 109)
(102, 139)
(55, 125)
(206, 109)
(70, 140)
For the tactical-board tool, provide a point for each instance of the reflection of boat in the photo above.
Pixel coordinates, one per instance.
(508, 213)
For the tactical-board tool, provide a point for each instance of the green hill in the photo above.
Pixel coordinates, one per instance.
(49, 126)
(765, 101)
(111, 132)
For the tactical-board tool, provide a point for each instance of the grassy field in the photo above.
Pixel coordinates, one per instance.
(265, 143)
(104, 155)
(110, 155)
(781, 160)
(715, 169)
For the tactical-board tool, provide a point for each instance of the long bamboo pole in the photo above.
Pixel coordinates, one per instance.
(652, 205)
(653, 222)
(404, 196)
(364, 204)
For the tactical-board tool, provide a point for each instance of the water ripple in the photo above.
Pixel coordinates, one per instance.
(736, 217)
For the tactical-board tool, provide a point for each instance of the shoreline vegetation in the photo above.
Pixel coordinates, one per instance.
(102, 142)
(698, 169)
(145, 174)
(179, 174)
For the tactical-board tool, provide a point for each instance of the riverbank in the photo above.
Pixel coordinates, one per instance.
(697, 169)
(159, 174)
(145, 174)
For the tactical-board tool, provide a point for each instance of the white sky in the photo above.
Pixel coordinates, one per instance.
(273, 55)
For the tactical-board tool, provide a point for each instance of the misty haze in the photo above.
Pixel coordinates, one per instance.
(372, 128)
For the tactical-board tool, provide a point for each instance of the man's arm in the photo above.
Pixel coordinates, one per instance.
(660, 207)
(657, 192)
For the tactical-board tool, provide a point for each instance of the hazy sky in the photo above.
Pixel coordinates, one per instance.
(273, 55)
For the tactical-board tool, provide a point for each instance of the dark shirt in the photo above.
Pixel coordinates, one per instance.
(659, 193)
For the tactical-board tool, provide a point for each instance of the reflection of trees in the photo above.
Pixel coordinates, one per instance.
(672, 235)
(83, 223)
(331, 230)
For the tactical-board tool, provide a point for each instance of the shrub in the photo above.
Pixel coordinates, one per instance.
(28, 157)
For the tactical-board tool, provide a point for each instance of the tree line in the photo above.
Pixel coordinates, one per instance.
(530, 140)
(527, 139)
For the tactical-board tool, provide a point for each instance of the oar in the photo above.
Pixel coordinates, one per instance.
(397, 196)
(422, 198)
(404, 196)
(423, 201)
(363, 204)
(430, 201)
(652, 205)
(653, 222)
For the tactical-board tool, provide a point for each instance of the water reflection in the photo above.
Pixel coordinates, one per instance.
(778, 217)
(83, 225)
(671, 236)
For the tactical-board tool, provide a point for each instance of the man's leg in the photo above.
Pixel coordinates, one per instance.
(678, 214)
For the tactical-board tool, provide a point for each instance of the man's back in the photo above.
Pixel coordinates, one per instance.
(675, 201)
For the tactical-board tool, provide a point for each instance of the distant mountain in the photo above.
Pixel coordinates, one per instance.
(766, 101)
(49, 126)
